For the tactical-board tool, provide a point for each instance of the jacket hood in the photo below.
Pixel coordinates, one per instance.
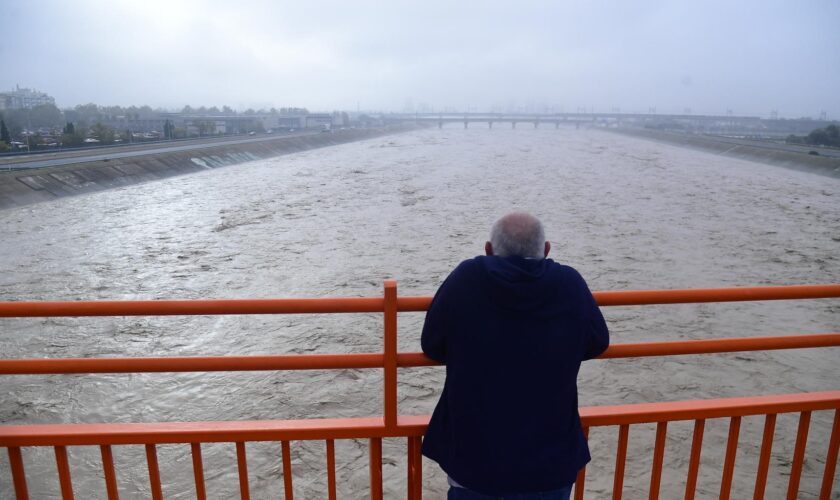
(520, 284)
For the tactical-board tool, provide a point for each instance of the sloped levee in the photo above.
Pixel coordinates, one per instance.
(822, 165)
(24, 187)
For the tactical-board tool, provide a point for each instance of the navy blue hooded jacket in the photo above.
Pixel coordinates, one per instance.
(512, 333)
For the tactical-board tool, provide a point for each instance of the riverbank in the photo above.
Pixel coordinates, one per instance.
(25, 187)
(763, 153)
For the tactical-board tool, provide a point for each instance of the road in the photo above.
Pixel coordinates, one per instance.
(111, 153)
(793, 148)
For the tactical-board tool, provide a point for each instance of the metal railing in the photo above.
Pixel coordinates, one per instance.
(391, 424)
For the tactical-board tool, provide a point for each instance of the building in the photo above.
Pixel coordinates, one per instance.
(24, 99)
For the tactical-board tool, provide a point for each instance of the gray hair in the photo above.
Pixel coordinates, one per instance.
(520, 234)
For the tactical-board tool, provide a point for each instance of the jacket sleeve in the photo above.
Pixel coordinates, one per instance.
(437, 325)
(597, 334)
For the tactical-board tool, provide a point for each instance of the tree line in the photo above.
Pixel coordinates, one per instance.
(827, 136)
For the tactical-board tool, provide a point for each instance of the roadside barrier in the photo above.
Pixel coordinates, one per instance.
(411, 428)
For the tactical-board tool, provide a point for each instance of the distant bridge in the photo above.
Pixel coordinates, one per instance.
(557, 119)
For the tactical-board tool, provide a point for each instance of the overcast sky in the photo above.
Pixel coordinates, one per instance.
(750, 56)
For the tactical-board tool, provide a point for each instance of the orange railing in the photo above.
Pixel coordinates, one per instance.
(391, 424)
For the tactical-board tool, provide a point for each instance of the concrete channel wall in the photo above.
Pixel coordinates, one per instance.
(823, 165)
(24, 187)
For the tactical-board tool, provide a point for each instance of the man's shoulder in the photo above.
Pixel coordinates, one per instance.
(476, 266)
(467, 267)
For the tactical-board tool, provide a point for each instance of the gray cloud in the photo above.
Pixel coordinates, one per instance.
(751, 56)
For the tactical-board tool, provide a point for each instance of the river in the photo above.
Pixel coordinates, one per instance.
(627, 213)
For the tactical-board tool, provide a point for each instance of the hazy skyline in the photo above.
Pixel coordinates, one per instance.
(751, 57)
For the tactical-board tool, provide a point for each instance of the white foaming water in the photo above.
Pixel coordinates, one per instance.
(628, 214)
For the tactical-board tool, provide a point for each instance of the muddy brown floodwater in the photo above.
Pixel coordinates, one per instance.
(629, 214)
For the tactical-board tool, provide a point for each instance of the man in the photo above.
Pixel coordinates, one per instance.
(512, 328)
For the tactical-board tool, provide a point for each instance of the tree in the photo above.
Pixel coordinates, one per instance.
(34, 140)
(828, 136)
(168, 130)
(5, 136)
(187, 109)
(104, 133)
(69, 128)
(46, 115)
(833, 132)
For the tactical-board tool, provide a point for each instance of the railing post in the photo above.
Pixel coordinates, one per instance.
(798, 455)
(764, 456)
(390, 354)
(658, 457)
(581, 475)
(415, 468)
(729, 460)
(18, 474)
(375, 468)
(694, 461)
(620, 458)
(831, 458)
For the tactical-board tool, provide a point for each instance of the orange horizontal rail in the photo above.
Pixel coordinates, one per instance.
(377, 304)
(709, 346)
(376, 360)
(190, 364)
(698, 295)
(681, 296)
(676, 348)
(198, 432)
(191, 307)
(367, 427)
(642, 413)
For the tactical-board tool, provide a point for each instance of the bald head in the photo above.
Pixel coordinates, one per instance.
(518, 234)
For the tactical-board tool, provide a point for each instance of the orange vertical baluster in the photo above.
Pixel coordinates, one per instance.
(798, 454)
(390, 354)
(620, 456)
(658, 458)
(580, 481)
(410, 469)
(831, 458)
(415, 468)
(198, 471)
(108, 469)
(376, 468)
(242, 465)
(64, 473)
(694, 461)
(729, 461)
(764, 456)
(18, 474)
(418, 485)
(331, 468)
(154, 472)
(287, 470)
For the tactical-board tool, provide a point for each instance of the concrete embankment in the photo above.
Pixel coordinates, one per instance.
(759, 152)
(24, 187)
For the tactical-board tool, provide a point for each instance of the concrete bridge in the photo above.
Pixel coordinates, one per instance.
(557, 119)
(705, 123)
